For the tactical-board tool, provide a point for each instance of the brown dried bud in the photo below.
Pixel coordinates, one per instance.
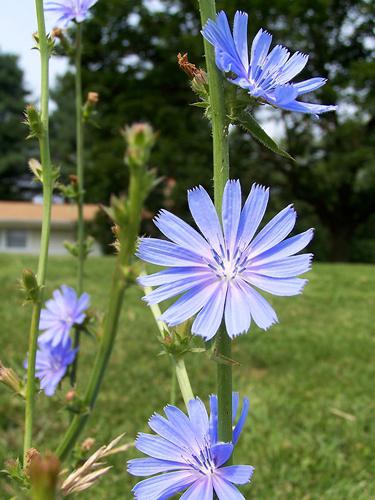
(93, 97)
(190, 69)
(57, 33)
(73, 179)
(9, 378)
(31, 455)
(44, 474)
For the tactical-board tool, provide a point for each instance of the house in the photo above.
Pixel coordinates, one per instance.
(21, 222)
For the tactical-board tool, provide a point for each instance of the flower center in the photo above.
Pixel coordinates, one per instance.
(228, 267)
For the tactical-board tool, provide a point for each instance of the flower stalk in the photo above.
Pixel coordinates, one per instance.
(221, 174)
(47, 177)
(126, 214)
(81, 250)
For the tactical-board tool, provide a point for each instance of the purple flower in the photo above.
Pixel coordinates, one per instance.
(268, 74)
(60, 314)
(69, 10)
(187, 456)
(217, 273)
(52, 363)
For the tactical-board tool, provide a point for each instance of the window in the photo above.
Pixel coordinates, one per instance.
(15, 238)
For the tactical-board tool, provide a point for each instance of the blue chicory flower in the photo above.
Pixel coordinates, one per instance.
(268, 74)
(61, 313)
(69, 10)
(187, 456)
(52, 363)
(218, 272)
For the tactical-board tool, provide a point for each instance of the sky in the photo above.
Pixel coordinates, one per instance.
(17, 24)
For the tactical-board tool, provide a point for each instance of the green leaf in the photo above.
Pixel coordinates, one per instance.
(246, 120)
(200, 104)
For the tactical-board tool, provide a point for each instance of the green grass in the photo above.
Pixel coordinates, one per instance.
(318, 360)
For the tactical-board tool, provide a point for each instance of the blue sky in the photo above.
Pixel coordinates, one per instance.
(17, 24)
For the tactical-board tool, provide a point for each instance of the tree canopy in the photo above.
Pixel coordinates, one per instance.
(130, 59)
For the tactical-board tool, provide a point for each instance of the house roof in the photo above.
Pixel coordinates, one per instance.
(21, 212)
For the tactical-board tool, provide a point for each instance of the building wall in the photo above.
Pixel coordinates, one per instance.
(11, 242)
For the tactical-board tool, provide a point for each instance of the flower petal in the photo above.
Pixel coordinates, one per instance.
(277, 286)
(310, 85)
(202, 489)
(177, 287)
(285, 248)
(165, 253)
(199, 419)
(259, 50)
(252, 214)
(285, 268)
(189, 304)
(181, 233)
(261, 311)
(237, 474)
(204, 213)
(241, 421)
(240, 37)
(293, 67)
(225, 490)
(171, 275)
(231, 211)
(221, 453)
(150, 466)
(158, 447)
(208, 321)
(237, 310)
(274, 232)
(164, 486)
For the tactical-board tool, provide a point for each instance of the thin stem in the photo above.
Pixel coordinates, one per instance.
(46, 222)
(221, 174)
(183, 380)
(178, 363)
(80, 182)
(119, 284)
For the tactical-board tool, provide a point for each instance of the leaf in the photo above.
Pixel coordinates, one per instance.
(246, 120)
(200, 104)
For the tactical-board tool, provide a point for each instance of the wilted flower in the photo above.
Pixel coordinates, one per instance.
(268, 74)
(60, 314)
(69, 10)
(218, 271)
(187, 454)
(52, 363)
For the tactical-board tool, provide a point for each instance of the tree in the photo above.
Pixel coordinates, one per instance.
(130, 58)
(14, 151)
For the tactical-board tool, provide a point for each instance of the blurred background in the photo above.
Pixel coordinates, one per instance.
(130, 54)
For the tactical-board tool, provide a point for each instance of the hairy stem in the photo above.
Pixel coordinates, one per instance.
(119, 284)
(80, 182)
(221, 174)
(46, 223)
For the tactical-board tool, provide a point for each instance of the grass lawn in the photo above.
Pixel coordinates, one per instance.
(311, 381)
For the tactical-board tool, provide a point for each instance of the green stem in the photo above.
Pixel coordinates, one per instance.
(119, 284)
(178, 363)
(46, 223)
(80, 182)
(183, 380)
(221, 174)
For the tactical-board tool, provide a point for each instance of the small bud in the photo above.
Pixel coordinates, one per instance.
(36, 169)
(44, 474)
(70, 395)
(57, 33)
(9, 378)
(140, 139)
(93, 97)
(34, 122)
(73, 180)
(87, 444)
(29, 286)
